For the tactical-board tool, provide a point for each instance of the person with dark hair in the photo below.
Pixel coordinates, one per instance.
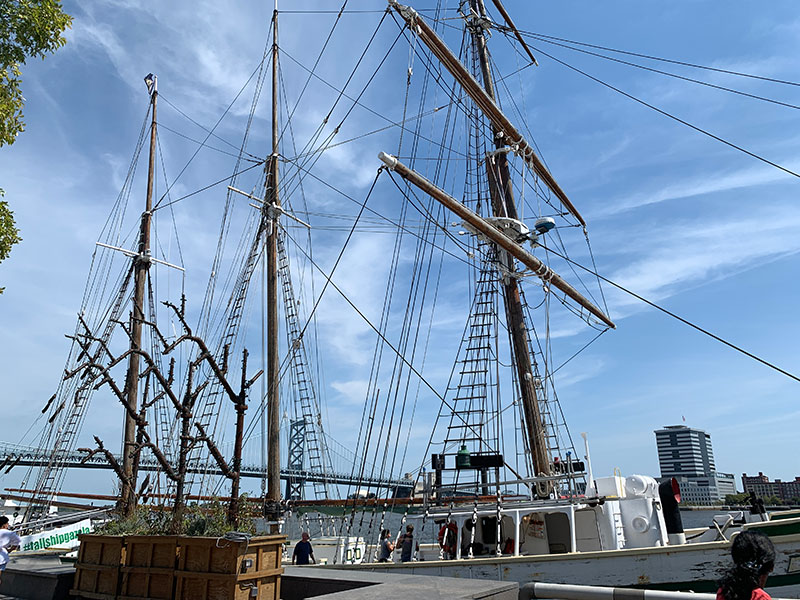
(9, 541)
(303, 552)
(753, 560)
(387, 547)
(406, 544)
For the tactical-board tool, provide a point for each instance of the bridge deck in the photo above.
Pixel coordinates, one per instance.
(29, 456)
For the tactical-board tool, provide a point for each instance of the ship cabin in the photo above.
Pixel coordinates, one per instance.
(628, 514)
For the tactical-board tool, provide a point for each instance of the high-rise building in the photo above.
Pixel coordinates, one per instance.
(685, 453)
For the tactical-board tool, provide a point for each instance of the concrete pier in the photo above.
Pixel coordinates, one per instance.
(49, 580)
(52, 581)
(332, 584)
(37, 582)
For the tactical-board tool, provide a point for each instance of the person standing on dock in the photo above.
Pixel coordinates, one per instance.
(9, 541)
(406, 544)
(753, 560)
(303, 552)
(387, 547)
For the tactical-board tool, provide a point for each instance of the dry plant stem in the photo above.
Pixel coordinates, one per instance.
(96, 375)
(101, 449)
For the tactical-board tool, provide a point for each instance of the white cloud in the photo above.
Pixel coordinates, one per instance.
(587, 367)
(102, 37)
(690, 254)
(352, 392)
(698, 186)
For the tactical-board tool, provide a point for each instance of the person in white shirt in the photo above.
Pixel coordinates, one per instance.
(9, 541)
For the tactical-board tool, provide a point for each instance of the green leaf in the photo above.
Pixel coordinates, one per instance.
(9, 234)
(28, 28)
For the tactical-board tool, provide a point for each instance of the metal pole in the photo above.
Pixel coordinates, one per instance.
(142, 265)
(590, 488)
(591, 592)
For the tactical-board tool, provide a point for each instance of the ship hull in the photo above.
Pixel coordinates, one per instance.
(695, 567)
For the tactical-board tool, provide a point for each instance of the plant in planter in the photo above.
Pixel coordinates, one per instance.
(184, 407)
(199, 550)
(133, 557)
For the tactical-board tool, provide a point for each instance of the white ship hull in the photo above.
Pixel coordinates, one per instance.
(695, 567)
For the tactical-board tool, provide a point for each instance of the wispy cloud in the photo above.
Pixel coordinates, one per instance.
(698, 186)
(587, 368)
(351, 392)
(692, 254)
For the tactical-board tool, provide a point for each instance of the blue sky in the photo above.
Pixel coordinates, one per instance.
(706, 231)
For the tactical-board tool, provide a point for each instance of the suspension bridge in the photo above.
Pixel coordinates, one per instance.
(14, 455)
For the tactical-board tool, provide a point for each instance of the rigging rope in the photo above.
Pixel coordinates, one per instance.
(207, 130)
(200, 143)
(209, 186)
(257, 70)
(670, 115)
(682, 320)
(357, 103)
(651, 57)
(376, 330)
(668, 74)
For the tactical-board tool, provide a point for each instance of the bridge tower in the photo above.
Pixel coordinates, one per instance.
(297, 442)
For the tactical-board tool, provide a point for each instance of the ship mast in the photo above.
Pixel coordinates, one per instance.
(507, 139)
(272, 205)
(503, 205)
(130, 456)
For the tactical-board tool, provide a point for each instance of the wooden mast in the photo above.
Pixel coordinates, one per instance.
(273, 366)
(503, 205)
(141, 266)
(507, 138)
(512, 137)
(516, 323)
(484, 228)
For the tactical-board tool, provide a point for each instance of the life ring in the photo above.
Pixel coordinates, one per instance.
(448, 534)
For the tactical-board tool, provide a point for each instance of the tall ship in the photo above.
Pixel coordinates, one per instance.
(463, 261)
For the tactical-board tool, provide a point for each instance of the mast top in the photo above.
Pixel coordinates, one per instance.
(151, 81)
(514, 139)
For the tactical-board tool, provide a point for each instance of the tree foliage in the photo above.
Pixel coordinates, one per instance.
(28, 28)
(737, 499)
(7, 225)
(9, 234)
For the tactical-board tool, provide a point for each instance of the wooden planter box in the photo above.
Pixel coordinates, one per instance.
(187, 568)
(219, 569)
(97, 570)
(148, 571)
